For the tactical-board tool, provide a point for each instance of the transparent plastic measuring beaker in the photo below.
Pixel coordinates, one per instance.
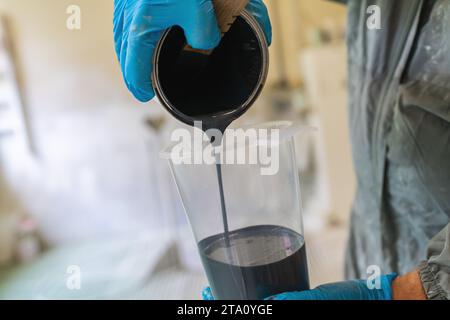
(251, 243)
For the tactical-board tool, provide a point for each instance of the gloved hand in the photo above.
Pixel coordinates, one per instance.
(346, 290)
(139, 24)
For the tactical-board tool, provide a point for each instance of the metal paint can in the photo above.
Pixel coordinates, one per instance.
(217, 88)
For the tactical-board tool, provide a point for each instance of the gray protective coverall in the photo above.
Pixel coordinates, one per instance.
(399, 110)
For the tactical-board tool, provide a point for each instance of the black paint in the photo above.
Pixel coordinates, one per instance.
(255, 262)
(215, 88)
(222, 203)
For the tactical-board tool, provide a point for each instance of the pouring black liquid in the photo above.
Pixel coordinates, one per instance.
(223, 207)
(216, 89)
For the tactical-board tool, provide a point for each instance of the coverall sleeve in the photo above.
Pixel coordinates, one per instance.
(435, 272)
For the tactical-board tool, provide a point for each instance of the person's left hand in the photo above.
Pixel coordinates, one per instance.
(346, 290)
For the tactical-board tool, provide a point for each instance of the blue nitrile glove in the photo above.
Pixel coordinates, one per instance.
(346, 290)
(139, 24)
(207, 294)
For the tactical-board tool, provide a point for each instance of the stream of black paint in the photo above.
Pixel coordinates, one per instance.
(222, 203)
(212, 88)
(218, 143)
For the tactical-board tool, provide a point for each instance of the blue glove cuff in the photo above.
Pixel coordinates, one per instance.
(386, 285)
(384, 292)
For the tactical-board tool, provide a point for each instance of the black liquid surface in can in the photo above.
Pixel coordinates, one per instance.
(215, 88)
(255, 262)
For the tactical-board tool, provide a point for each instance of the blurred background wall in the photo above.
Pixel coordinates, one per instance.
(83, 165)
(81, 118)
